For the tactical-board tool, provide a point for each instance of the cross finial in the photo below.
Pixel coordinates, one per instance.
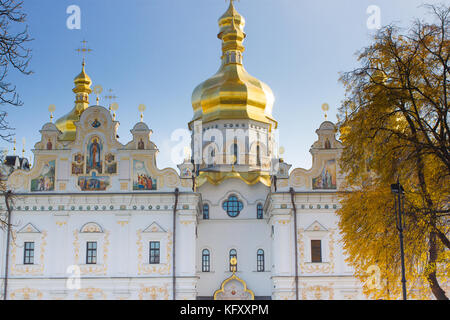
(325, 108)
(23, 147)
(141, 109)
(84, 49)
(110, 95)
(51, 109)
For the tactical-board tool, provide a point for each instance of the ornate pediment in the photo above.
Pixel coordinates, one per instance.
(91, 227)
(29, 228)
(154, 228)
(316, 226)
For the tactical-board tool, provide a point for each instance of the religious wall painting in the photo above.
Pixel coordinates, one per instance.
(141, 178)
(94, 155)
(141, 144)
(327, 178)
(186, 173)
(46, 180)
(96, 123)
(93, 183)
(110, 164)
(78, 164)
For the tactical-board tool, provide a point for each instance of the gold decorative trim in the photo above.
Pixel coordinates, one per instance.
(325, 267)
(250, 178)
(94, 268)
(161, 269)
(233, 277)
(156, 293)
(30, 269)
(27, 293)
(318, 291)
(90, 292)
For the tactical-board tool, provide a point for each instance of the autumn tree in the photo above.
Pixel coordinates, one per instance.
(14, 56)
(395, 126)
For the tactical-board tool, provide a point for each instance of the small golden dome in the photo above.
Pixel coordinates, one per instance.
(82, 81)
(232, 93)
(82, 90)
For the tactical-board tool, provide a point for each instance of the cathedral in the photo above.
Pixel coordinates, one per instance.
(97, 219)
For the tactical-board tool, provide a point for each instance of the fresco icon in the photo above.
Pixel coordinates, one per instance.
(327, 179)
(46, 180)
(141, 178)
(93, 183)
(93, 158)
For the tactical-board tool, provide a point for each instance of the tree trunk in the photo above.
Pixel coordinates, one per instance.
(432, 279)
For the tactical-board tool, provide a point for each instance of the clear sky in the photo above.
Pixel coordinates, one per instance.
(155, 52)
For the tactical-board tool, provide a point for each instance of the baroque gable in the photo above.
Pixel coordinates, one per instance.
(95, 161)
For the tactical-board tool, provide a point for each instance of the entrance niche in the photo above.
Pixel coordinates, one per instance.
(234, 288)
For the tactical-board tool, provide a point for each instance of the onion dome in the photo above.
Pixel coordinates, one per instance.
(232, 93)
(82, 90)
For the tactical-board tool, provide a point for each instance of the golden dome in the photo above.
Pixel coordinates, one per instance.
(82, 80)
(82, 90)
(232, 93)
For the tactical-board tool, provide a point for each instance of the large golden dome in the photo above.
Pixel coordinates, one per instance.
(232, 93)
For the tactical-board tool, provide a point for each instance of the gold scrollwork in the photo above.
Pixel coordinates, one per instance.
(161, 269)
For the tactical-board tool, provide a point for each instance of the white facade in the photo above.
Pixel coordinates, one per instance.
(123, 222)
(96, 219)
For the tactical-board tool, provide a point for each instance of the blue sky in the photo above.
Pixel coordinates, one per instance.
(155, 52)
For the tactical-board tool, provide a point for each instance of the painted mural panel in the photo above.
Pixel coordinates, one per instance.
(46, 180)
(77, 164)
(110, 165)
(141, 178)
(93, 183)
(94, 155)
(327, 179)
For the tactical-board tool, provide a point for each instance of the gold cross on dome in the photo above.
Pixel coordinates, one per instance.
(84, 49)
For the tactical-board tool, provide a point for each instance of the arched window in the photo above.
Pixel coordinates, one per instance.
(206, 261)
(235, 153)
(205, 211)
(259, 211)
(260, 260)
(232, 206)
(233, 254)
(258, 155)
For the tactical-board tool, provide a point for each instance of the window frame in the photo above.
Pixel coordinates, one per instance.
(259, 211)
(260, 261)
(206, 260)
(314, 253)
(232, 254)
(154, 259)
(91, 253)
(28, 253)
(236, 206)
(205, 216)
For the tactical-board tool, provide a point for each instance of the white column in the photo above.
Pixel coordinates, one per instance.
(58, 246)
(120, 260)
(281, 251)
(186, 243)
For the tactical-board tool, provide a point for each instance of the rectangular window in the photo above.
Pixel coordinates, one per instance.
(28, 253)
(154, 252)
(91, 252)
(316, 250)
